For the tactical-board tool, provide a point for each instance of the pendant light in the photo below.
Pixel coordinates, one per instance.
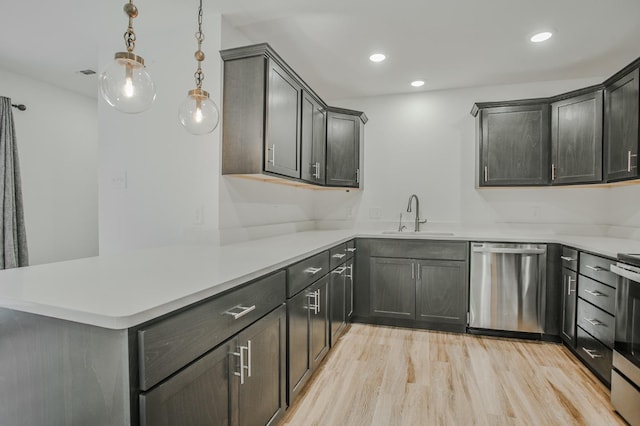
(125, 83)
(198, 113)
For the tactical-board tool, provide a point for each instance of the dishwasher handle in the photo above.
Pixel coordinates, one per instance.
(508, 250)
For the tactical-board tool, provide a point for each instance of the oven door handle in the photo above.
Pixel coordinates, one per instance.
(633, 276)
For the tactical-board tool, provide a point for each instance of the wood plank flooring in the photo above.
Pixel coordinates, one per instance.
(393, 376)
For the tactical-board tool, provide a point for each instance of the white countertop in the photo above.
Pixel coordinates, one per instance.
(123, 291)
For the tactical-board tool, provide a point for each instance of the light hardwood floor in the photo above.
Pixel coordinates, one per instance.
(393, 376)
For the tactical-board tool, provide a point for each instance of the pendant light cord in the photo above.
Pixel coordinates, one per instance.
(199, 75)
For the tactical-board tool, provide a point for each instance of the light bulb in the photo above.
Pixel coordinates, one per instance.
(126, 85)
(198, 113)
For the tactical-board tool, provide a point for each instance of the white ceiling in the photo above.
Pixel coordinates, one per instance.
(448, 43)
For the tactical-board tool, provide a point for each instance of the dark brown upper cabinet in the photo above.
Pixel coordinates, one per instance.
(514, 145)
(576, 139)
(314, 124)
(621, 127)
(590, 136)
(275, 124)
(344, 132)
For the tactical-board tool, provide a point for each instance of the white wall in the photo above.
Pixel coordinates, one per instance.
(57, 146)
(424, 143)
(171, 191)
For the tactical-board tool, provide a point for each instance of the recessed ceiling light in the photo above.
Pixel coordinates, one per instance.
(540, 37)
(377, 57)
(417, 83)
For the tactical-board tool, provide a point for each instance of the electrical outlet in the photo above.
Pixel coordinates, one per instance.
(119, 180)
(375, 212)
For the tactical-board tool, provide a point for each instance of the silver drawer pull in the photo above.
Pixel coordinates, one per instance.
(339, 270)
(243, 367)
(244, 310)
(595, 268)
(594, 293)
(312, 270)
(315, 304)
(351, 249)
(592, 353)
(593, 321)
(567, 258)
(339, 255)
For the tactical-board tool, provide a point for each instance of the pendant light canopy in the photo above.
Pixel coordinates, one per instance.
(125, 83)
(198, 113)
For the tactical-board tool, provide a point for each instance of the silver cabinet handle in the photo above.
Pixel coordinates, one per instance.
(244, 310)
(592, 353)
(418, 271)
(413, 271)
(339, 270)
(567, 258)
(351, 249)
(593, 322)
(248, 358)
(315, 306)
(486, 173)
(505, 250)
(569, 280)
(339, 255)
(316, 166)
(595, 268)
(273, 154)
(629, 157)
(553, 172)
(240, 354)
(312, 270)
(594, 293)
(350, 275)
(357, 175)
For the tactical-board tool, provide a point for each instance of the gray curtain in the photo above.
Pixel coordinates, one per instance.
(12, 232)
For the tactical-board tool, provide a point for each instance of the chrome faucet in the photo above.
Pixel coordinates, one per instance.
(417, 221)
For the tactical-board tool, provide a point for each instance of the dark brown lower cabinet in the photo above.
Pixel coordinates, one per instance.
(240, 382)
(308, 334)
(441, 292)
(337, 315)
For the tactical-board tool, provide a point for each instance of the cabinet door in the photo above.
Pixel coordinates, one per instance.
(282, 142)
(576, 139)
(319, 325)
(348, 289)
(441, 294)
(198, 395)
(337, 306)
(261, 398)
(514, 145)
(343, 150)
(621, 127)
(569, 295)
(393, 287)
(298, 337)
(313, 140)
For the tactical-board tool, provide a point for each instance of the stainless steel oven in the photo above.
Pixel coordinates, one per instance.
(625, 376)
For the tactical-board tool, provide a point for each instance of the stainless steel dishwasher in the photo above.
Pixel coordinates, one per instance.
(508, 287)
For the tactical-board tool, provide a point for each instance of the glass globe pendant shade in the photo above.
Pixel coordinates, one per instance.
(126, 85)
(198, 113)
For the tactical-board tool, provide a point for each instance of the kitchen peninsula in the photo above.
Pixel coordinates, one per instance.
(77, 338)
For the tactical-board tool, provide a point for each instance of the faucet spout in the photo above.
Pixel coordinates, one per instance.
(417, 220)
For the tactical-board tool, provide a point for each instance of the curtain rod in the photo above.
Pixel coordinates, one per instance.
(21, 107)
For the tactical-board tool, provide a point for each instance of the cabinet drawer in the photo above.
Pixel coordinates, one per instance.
(351, 249)
(603, 296)
(306, 272)
(569, 258)
(419, 249)
(597, 267)
(338, 255)
(596, 322)
(595, 354)
(168, 345)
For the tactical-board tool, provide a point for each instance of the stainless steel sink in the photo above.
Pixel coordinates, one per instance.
(425, 233)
